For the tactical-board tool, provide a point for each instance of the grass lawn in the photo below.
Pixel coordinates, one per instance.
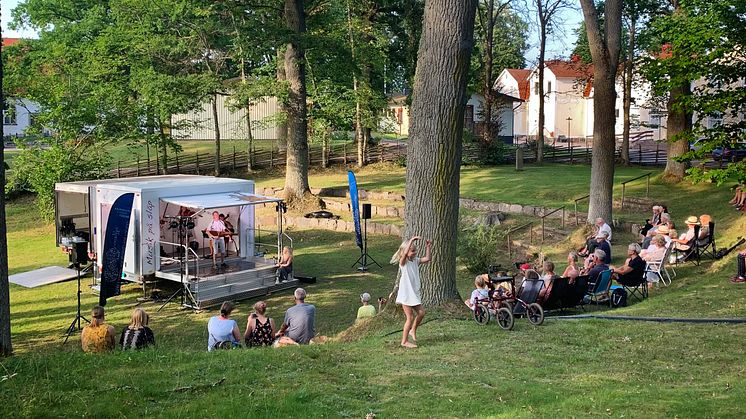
(561, 369)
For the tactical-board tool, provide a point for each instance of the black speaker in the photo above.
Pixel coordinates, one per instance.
(79, 253)
(366, 211)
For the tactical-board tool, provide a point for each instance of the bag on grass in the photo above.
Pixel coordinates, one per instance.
(619, 298)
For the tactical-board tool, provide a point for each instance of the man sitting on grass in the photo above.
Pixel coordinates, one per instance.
(299, 320)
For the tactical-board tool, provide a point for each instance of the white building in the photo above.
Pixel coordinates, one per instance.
(19, 116)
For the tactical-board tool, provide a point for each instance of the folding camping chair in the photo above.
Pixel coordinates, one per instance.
(657, 268)
(639, 290)
(692, 253)
(708, 248)
(598, 292)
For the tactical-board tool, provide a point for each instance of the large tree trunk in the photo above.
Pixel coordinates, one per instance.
(627, 97)
(296, 170)
(488, 134)
(679, 121)
(282, 128)
(6, 347)
(542, 116)
(605, 47)
(434, 154)
(216, 129)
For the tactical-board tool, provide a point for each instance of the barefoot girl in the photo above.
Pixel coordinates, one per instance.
(409, 287)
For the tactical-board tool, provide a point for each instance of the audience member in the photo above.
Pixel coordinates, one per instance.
(137, 335)
(596, 265)
(285, 265)
(633, 270)
(222, 330)
(652, 222)
(656, 251)
(602, 243)
(601, 227)
(260, 329)
(409, 287)
(661, 230)
(367, 310)
(548, 277)
(684, 242)
(480, 293)
(299, 323)
(571, 271)
(740, 277)
(704, 230)
(739, 199)
(97, 336)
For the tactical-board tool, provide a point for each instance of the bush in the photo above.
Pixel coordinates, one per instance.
(495, 152)
(38, 169)
(478, 247)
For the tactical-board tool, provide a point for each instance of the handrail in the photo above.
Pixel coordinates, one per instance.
(513, 230)
(647, 187)
(548, 214)
(576, 207)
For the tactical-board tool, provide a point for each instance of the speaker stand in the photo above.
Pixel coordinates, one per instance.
(75, 325)
(365, 258)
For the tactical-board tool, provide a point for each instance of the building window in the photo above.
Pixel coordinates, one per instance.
(549, 87)
(616, 113)
(10, 115)
(716, 120)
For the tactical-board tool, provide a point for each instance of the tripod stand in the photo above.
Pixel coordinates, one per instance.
(75, 325)
(364, 256)
(183, 258)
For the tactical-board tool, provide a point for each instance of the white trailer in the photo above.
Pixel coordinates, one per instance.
(160, 245)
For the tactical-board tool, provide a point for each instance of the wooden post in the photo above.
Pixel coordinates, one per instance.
(234, 158)
(647, 187)
(344, 151)
(657, 150)
(272, 158)
(623, 188)
(178, 169)
(197, 162)
(570, 145)
(138, 166)
(380, 147)
(119, 169)
(639, 156)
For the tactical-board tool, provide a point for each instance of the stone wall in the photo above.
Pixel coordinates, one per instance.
(329, 224)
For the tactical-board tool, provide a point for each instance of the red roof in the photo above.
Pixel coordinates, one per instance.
(10, 41)
(568, 69)
(522, 77)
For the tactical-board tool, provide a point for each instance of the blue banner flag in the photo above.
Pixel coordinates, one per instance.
(355, 208)
(115, 243)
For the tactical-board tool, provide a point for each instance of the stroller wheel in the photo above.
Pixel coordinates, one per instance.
(507, 304)
(505, 318)
(481, 315)
(535, 314)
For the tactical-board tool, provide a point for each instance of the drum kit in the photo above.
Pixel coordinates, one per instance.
(183, 225)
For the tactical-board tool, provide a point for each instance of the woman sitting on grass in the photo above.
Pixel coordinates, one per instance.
(137, 335)
(223, 331)
(260, 329)
(97, 336)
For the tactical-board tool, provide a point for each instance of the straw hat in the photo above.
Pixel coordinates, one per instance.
(692, 220)
(662, 229)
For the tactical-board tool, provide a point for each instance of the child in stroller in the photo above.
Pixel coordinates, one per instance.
(481, 294)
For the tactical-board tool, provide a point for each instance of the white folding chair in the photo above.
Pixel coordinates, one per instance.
(658, 268)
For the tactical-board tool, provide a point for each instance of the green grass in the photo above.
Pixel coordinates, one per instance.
(561, 369)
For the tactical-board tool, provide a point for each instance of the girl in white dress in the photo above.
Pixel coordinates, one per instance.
(409, 287)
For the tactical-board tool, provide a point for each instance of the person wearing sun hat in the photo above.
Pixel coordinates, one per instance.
(684, 241)
(661, 230)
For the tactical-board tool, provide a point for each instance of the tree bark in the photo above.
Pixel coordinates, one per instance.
(216, 128)
(250, 137)
(679, 121)
(605, 48)
(542, 116)
(627, 96)
(434, 154)
(6, 347)
(488, 133)
(296, 170)
(164, 148)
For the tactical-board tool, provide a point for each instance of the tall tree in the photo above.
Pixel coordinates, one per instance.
(500, 36)
(296, 171)
(434, 153)
(6, 346)
(547, 12)
(605, 48)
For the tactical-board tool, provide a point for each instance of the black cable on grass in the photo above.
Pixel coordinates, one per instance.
(650, 319)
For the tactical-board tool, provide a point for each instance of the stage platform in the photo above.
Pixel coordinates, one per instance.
(239, 279)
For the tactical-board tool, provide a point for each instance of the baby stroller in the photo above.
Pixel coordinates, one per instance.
(504, 304)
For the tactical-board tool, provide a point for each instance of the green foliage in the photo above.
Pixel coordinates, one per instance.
(702, 42)
(38, 169)
(477, 246)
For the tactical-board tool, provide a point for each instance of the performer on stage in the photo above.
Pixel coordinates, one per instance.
(216, 230)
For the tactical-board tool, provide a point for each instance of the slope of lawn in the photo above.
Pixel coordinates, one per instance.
(563, 368)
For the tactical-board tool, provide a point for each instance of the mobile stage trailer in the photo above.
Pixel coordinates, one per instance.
(161, 244)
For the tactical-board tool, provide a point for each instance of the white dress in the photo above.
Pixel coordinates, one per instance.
(409, 284)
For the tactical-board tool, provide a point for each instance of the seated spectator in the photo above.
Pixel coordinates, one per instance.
(97, 336)
(704, 229)
(596, 265)
(656, 251)
(740, 277)
(653, 221)
(480, 293)
(298, 325)
(572, 271)
(137, 335)
(366, 310)
(602, 243)
(633, 270)
(661, 230)
(285, 265)
(684, 242)
(739, 199)
(260, 329)
(548, 277)
(223, 331)
(601, 227)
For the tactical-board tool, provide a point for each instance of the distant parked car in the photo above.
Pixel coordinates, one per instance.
(736, 152)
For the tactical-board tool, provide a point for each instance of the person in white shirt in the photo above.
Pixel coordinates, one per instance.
(214, 230)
